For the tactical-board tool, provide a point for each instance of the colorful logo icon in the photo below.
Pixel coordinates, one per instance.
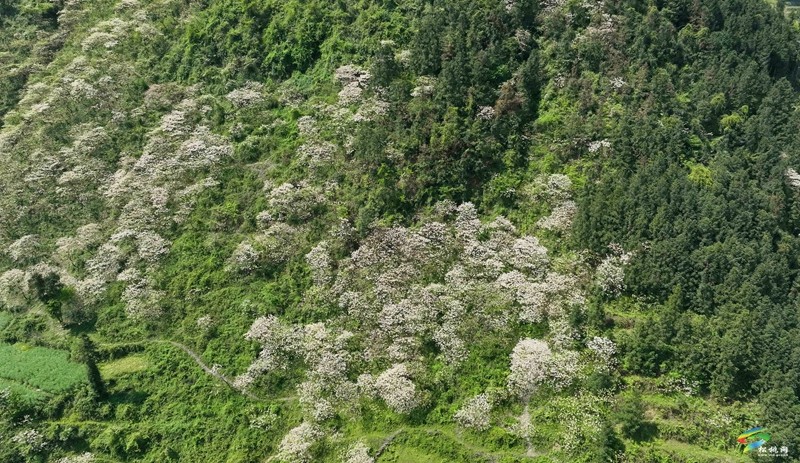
(753, 438)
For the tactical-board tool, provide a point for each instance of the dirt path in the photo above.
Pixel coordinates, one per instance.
(202, 364)
(386, 443)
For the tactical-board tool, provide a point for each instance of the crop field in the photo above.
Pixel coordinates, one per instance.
(124, 366)
(38, 369)
(25, 393)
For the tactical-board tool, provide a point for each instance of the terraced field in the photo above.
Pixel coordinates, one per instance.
(34, 372)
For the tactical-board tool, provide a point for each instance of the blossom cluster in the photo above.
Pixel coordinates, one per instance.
(793, 177)
(319, 261)
(581, 416)
(425, 86)
(610, 274)
(534, 364)
(32, 439)
(405, 288)
(354, 81)
(475, 413)
(618, 83)
(248, 95)
(14, 289)
(605, 350)
(397, 389)
(358, 453)
(23, 248)
(277, 341)
(294, 202)
(296, 445)
(82, 458)
(558, 190)
(598, 145)
(265, 421)
(142, 299)
(486, 113)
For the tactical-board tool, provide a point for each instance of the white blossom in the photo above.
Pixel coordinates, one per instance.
(99, 39)
(316, 153)
(530, 362)
(106, 262)
(276, 244)
(523, 38)
(295, 447)
(248, 95)
(350, 94)
(14, 289)
(30, 438)
(91, 289)
(82, 458)
(205, 322)
(793, 177)
(617, 83)
(425, 86)
(358, 453)
(610, 274)
(311, 397)
(23, 248)
(395, 387)
(403, 57)
(371, 110)
(560, 218)
(264, 421)
(150, 246)
(475, 413)
(604, 349)
(485, 113)
(597, 145)
(528, 255)
(467, 223)
(307, 126)
(558, 187)
(294, 202)
(142, 301)
(350, 73)
(277, 341)
(244, 258)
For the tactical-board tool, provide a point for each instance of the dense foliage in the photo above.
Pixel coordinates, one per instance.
(507, 230)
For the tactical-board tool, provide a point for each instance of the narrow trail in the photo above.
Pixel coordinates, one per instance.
(211, 371)
(386, 443)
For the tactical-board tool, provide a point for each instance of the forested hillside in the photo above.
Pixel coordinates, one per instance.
(399, 231)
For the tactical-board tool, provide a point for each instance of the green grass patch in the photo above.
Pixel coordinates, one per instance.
(409, 455)
(124, 366)
(39, 368)
(686, 452)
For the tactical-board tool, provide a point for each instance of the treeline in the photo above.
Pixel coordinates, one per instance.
(700, 184)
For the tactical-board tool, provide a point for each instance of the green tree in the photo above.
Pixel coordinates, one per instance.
(86, 352)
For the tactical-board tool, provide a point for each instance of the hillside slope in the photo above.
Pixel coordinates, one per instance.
(411, 231)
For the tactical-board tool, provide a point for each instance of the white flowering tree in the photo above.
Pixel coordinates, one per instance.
(610, 274)
(296, 445)
(397, 389)
(530, 363)
(475, 413)
(15, 292)
(358, 453)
